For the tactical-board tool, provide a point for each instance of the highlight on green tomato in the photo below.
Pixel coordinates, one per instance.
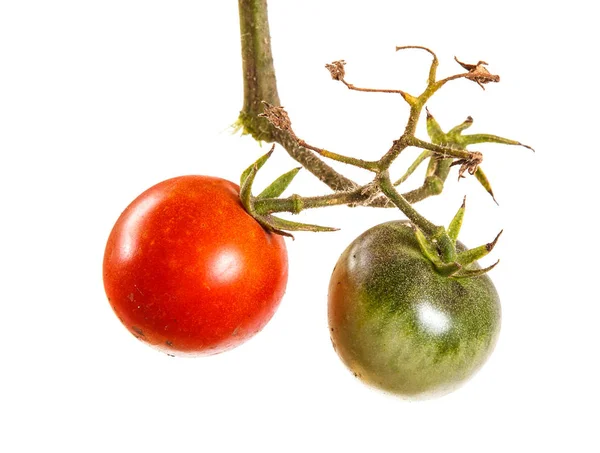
(401, 326)
(188, 271)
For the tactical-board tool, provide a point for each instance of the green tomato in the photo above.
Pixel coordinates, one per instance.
(399, 325)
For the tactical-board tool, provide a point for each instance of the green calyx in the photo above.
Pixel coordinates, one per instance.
(275, 189)
(440, 166)
(440, 248)
(443, 253)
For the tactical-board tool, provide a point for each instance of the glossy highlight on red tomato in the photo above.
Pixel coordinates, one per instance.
(189, 272)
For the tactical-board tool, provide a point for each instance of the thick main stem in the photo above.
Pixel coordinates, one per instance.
(257, 64)
(260, 85)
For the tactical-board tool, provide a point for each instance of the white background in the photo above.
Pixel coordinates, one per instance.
(100, 100)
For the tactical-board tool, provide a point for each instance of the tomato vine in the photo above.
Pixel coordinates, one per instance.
(264, 118)
(196, 265)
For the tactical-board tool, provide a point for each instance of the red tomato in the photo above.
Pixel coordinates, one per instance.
(188, 271)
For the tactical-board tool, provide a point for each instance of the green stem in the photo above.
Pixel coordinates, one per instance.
(357, 197)
(422, 157)
(312, 163)
(428, 228)
(443, 151)
(260, 85)
(264, 206)
(432, 186)
(257, 65)
(400, 145)
(360, 163)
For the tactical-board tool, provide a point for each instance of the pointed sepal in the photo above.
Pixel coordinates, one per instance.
(434, 130)
(282, 226)
(484, 181)
(428, 249)
(246, 189)
(418, 161)
(448, 269)
(256, 165)
(456, 222)
(431, 252)
(457, 130)
(470, 256)
(474, 139)
(277, 187)
(470, 273)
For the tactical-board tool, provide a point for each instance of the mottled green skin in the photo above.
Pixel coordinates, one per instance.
(400, 326)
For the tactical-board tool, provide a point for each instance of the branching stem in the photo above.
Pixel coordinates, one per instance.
(260, 85)
(263, 117)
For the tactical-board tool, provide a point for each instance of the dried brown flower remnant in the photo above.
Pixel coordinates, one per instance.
(336, 69)
(468, 165)
(277, 116)
(478, 73)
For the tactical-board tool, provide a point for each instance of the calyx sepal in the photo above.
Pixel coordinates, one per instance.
(454, 138)
(268, 221)
(460, 264)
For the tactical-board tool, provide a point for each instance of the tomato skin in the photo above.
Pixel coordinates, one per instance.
(189, 272)
(402, 327)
